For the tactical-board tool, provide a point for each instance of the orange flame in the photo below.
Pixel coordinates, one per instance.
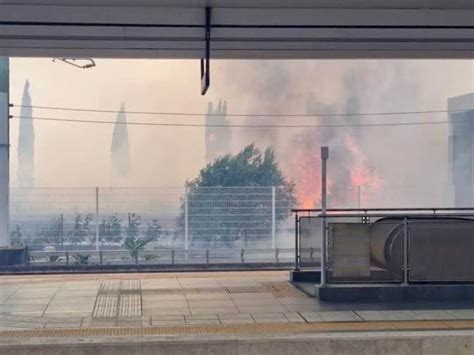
(307, 176)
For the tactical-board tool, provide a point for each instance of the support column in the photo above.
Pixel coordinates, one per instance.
(324, 162)
(97, 219)
(273, 217)
(4, 152)
(186, 232)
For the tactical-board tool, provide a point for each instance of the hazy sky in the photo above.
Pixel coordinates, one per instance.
(74, 154)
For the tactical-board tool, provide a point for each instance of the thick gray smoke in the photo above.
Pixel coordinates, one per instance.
(408, 163)
(217, 139)
(119, 153)
(26, 142)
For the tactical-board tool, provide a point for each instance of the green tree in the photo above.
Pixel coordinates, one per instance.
(110, 229)
(81, 229)
(153, 230)
(16, 236)
(133, 226)
(217, 214)
(53, 233)
(135, 240)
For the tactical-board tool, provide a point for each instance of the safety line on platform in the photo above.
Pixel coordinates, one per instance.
(243, 329)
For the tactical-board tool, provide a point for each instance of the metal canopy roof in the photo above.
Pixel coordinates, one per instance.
(238, 28)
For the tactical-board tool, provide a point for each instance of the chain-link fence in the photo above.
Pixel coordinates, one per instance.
(174, 218)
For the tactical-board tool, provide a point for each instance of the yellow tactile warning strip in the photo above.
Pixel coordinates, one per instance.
(241, 329)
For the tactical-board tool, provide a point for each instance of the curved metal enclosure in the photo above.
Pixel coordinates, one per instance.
(440, 249)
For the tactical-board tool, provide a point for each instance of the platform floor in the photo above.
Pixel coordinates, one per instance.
(197, 303)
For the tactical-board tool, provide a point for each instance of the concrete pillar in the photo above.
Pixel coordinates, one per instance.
(4, 151)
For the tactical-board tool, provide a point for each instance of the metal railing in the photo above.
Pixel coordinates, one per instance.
(161, 257)
(388, 244)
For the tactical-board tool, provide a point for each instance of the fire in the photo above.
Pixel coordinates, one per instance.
(344, 179)
(308, 178)
(361, 173)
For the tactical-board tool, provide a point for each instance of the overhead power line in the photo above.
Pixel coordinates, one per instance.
(418, 123)
(399, 113)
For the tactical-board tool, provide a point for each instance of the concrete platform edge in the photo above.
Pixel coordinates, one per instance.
(354, 343)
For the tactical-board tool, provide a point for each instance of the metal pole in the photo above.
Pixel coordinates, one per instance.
(359, 196)
(405, 251)
(273, 218)
(4, 151)
(297, 264)
(97, 218)
(324, 159)
(186, 235)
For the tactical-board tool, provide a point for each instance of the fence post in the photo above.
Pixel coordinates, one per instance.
(207, 256)
(186, 235)
(277, 253)
(273, 217)
(97, 219)
(172, 256)
(67, 258)
(101, 257)
(242, 252)
(405, 251)
(324, 161)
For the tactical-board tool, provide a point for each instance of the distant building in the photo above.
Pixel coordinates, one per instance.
(119, 154)
(461, 150)
(218, 139)
(26, 141)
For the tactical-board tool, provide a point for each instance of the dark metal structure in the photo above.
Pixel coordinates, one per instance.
(415, 245)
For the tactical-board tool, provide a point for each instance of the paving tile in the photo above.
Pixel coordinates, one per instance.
(32, 294)
(268, 315)
(26, 301)
(239, 318)
(335, 316)
(234, 316)
(237, 321)
(297, 301)
(158, 297)
(168, 318)
(294, 317)
(462, 313)
(257, 302)
(164, 303)
(201, 317)
(100, 323)
(64, 307)
(167, 323)
(261, 309)
(73, 300)
(387, 315)
(67, 314)
(64, 325)
(252, 295)
(208, 296)
(301, 308)
(203, 322)
(213, 310)
(433, 314)
(23, 325)
(166, 311)
(160, 284)
(23, 308)
(218, 303)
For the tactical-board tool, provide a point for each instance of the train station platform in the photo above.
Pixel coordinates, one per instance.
(214, 312)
